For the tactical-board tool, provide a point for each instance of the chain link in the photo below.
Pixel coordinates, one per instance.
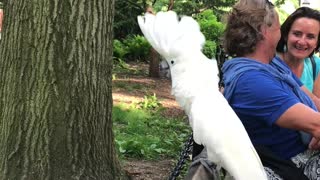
(184, 154)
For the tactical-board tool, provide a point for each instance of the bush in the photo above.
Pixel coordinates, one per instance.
(119, 49)
(210, 26)
(150, 103)
(209, 49)
(212, 29)
(137, 46)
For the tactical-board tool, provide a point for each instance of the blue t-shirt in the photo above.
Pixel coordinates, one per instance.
(259, 99)
(307, 74)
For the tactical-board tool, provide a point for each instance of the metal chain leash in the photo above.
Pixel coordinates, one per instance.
(184, 154)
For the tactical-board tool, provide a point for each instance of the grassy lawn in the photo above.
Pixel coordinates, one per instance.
(141, 131)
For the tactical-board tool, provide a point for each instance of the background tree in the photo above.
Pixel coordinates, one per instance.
(55, 76)
(154, 57)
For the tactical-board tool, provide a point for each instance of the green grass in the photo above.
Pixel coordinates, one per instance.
(121, 67)
(143, 133)
(125, 84)
(140, 130)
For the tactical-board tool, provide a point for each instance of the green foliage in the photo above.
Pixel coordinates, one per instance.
(125, 18)
(132, 48)
(150, 103)
(210, 26)
(126, 12)
(130, 87)
(212, 30)
(278, 3)
(282, 15)
(137, 46)
(283, 7)
(193, 7)
(141, 134)
(122, 68)
(209, 49)
(119, 49)
(121, 64)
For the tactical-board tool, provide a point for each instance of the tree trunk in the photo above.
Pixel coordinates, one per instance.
(153, 55)
(56, 100)
(171, 3)
(154, 63)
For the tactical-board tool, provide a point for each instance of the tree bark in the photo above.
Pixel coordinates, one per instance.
(171, 3)
(153, 56)
(56, 98)
(154, 63)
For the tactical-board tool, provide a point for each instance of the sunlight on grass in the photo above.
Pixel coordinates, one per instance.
(144, 133)
(129, 86)
(141, 131)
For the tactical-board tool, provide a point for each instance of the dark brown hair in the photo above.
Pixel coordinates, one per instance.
(302, 12)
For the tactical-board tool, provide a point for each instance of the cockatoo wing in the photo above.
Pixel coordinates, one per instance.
(217, 127)
(195, 87)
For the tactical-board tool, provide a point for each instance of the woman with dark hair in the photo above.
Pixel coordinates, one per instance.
(300, 39)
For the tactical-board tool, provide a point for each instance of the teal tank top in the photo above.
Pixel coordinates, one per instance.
(307, 74)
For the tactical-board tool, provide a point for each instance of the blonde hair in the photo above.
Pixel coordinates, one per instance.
(243, 30)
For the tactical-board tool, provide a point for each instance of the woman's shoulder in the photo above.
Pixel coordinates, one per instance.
(316, 59)
(308, 63)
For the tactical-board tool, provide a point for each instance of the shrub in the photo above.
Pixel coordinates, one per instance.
(210, 26)
(150, 103)
(209, 49)
(119, 49)
(212, 29)
(137, 46)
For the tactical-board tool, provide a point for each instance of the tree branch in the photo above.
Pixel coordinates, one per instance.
(171, 3)
(154, 2)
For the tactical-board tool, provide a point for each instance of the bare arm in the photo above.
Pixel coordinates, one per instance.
(316, 87)
(303, 118)
(313, 96)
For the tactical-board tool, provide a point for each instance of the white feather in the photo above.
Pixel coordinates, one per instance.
(195, 87)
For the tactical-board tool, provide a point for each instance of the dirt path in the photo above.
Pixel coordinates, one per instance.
(160, 87)
(149, 170)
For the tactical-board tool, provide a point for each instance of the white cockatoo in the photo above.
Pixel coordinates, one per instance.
(195, 87)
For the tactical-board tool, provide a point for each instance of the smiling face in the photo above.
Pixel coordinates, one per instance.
(303, 37)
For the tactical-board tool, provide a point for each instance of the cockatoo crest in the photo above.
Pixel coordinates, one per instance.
(171, 36)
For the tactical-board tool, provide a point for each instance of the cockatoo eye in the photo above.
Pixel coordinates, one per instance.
(172, 62)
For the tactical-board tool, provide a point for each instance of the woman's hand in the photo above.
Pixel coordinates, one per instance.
(314, 144)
